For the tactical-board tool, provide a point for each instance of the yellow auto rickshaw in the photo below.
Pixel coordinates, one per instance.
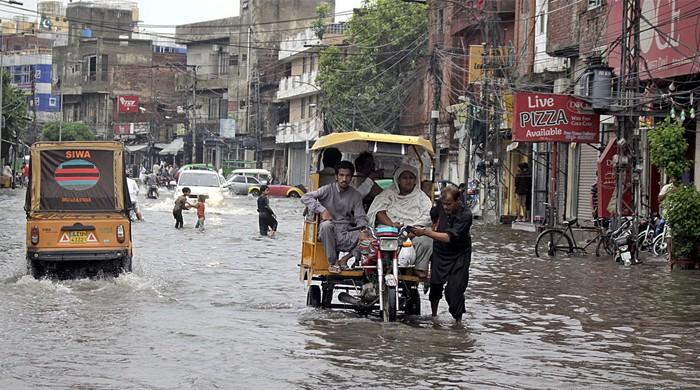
(384, 287)
(77, 207)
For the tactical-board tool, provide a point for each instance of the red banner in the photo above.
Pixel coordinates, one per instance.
(669, 37)
(546, 117)
(127, 104)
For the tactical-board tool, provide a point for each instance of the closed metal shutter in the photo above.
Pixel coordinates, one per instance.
(297, 166)
(588, 158)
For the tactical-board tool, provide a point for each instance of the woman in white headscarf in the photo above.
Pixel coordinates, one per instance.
(405, 204)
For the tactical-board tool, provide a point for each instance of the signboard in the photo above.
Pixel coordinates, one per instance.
(476, 62)
(607, 182)
(227, 128)
(141, 128)
(127, 104)
(669, 38)
(122, 129)
(180, 129)
(546, 117)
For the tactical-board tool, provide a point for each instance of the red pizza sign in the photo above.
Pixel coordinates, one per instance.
(127, 103)
(546, 117)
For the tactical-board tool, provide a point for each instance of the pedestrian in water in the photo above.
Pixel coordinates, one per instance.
(181, 203)
(266, 217)
(200, 212)
(452, 252)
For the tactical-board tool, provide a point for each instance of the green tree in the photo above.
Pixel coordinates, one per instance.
(70, 131)
(323, 11)
(367, 82)
(14, 110)
(667, 145)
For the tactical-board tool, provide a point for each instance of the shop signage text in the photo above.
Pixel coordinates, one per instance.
(546, 117)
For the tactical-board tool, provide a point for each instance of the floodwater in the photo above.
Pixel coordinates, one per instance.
(224, 309)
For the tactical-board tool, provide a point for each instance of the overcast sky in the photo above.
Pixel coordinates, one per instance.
(173, 12)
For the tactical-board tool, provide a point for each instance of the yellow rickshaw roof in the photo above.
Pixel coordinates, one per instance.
(337, 139)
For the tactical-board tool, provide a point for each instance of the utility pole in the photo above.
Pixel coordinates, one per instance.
(193, 119)
(248, 81)
(435, 113)
(628, 164)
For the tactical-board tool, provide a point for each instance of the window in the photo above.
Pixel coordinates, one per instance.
(594, 3)
(239, 179)
(90, 69)
(252, 180)
(223, 64)
(542, 22)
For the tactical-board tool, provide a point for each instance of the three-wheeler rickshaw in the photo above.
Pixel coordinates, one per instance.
(77, 207)
(382, 286)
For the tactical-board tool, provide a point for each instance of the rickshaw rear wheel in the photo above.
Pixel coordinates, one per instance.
(327, 294)
(313, 296)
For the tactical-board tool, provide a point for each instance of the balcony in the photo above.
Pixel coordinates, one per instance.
(293, 87)
(299, 43)
(301, 131)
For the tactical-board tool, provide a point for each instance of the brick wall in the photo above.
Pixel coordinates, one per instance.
(562, 31)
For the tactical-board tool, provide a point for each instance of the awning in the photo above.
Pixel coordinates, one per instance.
(173, 148)
(136, 148)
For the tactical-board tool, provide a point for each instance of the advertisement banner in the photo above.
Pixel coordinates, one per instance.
(141, 128)
(122, 129)
(669, 37)
(127, 104)
(77, 180)
(546, 117)
(476, 62)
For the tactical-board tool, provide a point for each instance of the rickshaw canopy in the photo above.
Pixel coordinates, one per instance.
(362, 141)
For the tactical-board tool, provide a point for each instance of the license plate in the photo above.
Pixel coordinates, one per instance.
(626, 256)
(79, 237)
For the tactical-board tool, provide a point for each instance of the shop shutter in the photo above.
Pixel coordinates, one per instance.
(588, 158)
(297, 166)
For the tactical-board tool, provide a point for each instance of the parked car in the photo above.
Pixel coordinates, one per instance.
(243, 185)
(202, 182)
(263, 175)
(286, 191)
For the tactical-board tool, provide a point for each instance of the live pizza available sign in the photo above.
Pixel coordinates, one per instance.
(547, 117)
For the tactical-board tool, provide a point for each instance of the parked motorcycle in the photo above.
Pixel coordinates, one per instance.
(382, 283)
(624, 249)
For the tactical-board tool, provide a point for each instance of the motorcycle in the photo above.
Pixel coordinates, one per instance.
(152, 192)
(382, 284)
(623, 249)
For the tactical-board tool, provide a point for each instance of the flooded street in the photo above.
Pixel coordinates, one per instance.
(225, 309)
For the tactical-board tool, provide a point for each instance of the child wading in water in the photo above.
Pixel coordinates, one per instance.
(200, 213)
(181, 204)
(266, 217)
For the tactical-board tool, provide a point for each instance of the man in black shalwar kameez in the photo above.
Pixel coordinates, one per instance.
(452, 252)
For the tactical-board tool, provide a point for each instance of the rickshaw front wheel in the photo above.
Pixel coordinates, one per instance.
(313, 296)
(390, 303)
(327, 294)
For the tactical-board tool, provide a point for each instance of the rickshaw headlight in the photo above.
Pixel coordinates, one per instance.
(120, 233)
(388, 244)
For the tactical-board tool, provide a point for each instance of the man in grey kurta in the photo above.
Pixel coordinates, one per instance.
(340, 207)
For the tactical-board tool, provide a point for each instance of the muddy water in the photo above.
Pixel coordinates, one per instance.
(224, 309)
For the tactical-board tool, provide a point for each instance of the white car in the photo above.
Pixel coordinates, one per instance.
(202, 182)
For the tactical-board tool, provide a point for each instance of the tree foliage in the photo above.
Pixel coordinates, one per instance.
(70, 131)
(668, 146)
(14, 111)
(367, 83)
(323, 11)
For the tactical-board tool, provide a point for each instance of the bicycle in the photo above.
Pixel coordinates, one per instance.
(555, 241)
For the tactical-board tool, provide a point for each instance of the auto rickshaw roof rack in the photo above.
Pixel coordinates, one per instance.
(342, 140)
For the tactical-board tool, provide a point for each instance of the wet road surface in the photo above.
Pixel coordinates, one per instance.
(224, 309)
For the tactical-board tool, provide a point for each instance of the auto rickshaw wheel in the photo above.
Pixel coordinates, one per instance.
(255, 192)
(327, 289)
(35, 269)
(412, 302)
(313, 296)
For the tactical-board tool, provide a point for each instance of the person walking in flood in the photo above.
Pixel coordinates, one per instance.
(266, 217)
(452, 252)
(200, 212)
(181, 203)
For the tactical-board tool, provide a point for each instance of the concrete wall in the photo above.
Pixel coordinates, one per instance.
(104, 22)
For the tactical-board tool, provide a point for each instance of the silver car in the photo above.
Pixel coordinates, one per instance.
(243, 185)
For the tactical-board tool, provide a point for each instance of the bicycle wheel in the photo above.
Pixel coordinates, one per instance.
(659, 247)
(605, 246)
(553, 243)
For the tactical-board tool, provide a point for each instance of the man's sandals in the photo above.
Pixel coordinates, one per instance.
(341, 266)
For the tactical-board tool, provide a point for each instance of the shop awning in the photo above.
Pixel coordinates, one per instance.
(173, 148)
(136, 148)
